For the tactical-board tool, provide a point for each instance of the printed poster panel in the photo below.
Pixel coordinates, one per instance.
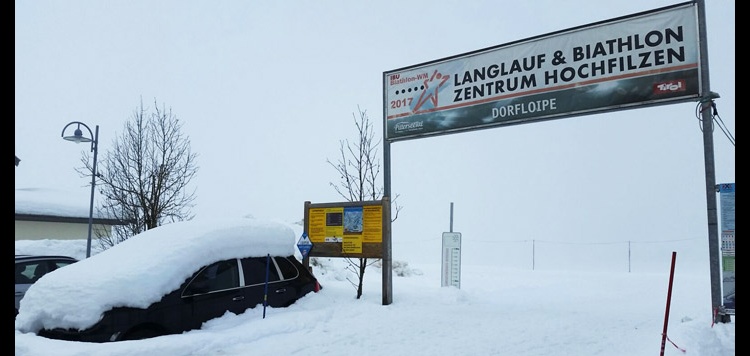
(650, 58)
(334, 225)
(352, 244)
(726, 204)
(373, 224)
(317, 225)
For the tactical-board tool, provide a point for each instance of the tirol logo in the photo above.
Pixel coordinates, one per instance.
(670, 86)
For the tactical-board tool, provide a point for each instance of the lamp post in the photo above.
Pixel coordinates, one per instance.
(94, 139)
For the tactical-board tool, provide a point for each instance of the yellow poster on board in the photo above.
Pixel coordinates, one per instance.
(373, 223)
(317, 225)
(352, 244)
(334, 224)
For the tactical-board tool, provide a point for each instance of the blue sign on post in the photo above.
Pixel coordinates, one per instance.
(304, 245)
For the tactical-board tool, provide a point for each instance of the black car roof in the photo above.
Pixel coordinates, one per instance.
(43, 257)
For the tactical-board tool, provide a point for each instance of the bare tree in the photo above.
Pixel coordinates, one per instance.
(144, 177)
(359, 167)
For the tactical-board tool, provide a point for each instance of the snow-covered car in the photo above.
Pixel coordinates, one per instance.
(169, 280)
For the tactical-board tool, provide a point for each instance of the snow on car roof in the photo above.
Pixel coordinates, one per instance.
(143, 268)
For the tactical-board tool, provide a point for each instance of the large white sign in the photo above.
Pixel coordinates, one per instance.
(650, 58)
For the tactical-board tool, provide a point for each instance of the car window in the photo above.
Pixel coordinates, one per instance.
(40, 270)
(254, 270)
(218, 276)
(58, 264)
(24, 273)
(30, 272)
(288, 271)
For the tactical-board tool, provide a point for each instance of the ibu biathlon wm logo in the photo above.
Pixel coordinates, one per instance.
(432, 87)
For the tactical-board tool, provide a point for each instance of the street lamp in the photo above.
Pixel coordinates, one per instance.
(94, 139)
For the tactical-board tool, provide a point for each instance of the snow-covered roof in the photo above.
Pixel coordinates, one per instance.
(54, 202)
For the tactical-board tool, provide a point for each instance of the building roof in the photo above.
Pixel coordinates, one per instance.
(54, 205)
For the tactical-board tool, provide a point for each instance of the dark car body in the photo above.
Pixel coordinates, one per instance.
(233, 285)
(30, 268)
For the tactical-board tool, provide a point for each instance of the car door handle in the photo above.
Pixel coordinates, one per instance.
(280, 291)
(238, 298)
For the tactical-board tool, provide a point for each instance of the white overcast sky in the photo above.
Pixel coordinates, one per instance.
(266, 90)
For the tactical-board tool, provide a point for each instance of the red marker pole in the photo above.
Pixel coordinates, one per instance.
(669, 299)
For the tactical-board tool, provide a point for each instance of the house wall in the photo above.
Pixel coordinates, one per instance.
(40, 230)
